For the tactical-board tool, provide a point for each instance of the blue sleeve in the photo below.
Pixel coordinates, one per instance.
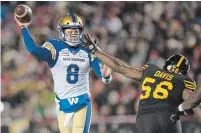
(39, 52)
(95, 64)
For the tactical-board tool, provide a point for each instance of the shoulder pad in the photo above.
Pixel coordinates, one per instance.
(48, 45)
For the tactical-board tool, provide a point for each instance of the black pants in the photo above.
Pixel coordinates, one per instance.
(157, 122)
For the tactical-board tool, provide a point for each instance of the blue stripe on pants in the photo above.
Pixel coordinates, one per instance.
(88, 118)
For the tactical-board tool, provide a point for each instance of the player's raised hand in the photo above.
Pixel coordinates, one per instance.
(23, 15)
(106, 71)
(89, 44)
(20, 24)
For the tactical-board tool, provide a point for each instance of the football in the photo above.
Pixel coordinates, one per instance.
(23, 13)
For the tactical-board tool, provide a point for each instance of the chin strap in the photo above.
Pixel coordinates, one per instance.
(71, 44)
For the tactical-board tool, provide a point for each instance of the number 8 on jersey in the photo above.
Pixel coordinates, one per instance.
(72, 73)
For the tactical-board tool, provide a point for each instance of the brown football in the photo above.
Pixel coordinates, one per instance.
(23, 13)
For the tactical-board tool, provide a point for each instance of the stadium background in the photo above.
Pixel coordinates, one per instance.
(136, 32)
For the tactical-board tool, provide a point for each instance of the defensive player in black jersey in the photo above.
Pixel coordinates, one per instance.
(163, 90)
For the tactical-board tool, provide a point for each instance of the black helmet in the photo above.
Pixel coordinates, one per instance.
(177, 64)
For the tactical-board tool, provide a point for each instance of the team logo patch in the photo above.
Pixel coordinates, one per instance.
(64, 52)
(74, 52)
(83, 54)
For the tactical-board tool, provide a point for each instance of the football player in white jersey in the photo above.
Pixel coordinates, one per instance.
(70, 65)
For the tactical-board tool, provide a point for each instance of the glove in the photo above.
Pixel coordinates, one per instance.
(89, 44)
(174, 117)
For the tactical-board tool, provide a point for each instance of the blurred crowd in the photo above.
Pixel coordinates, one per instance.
(136, 32)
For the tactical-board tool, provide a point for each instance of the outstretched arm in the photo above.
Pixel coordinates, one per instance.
(115, 64)
(119, 66)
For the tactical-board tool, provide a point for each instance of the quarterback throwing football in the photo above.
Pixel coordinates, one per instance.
(69, 64)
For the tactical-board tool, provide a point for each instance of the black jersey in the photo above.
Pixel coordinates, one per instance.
(162, 90)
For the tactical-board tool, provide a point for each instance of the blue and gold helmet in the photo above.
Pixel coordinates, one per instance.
(70, 21)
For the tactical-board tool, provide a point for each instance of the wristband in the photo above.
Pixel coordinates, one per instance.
(107, 79)
(184, 112)
(93, 50)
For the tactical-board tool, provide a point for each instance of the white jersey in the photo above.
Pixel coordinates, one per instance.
(71, 73)
(70, 69)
